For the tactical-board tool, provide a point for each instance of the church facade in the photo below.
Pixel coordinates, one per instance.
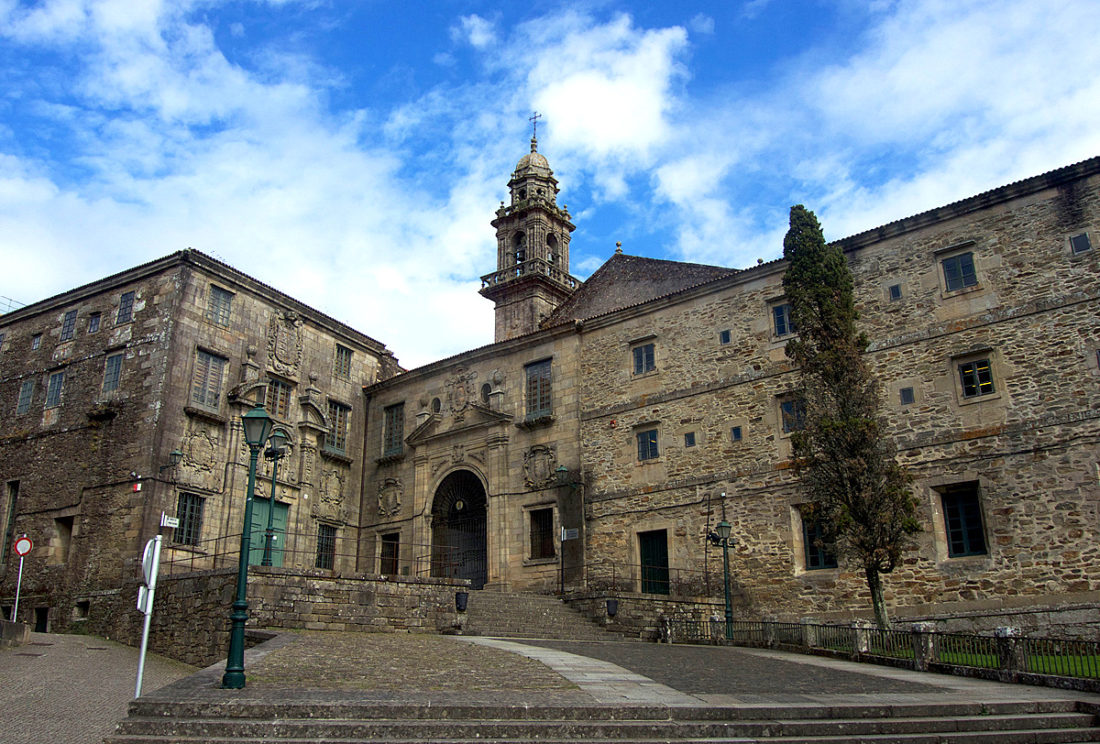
(614, 422)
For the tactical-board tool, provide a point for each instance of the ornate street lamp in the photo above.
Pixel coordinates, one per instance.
(276, 450)
(721, 537)
(257, 425)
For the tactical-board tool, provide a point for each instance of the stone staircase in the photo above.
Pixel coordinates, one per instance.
(514, 615)
(243, 722)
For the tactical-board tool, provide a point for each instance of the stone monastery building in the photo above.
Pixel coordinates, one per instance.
(591, 448)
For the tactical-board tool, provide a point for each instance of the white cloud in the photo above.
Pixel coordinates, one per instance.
(701, 23)
(474, 30)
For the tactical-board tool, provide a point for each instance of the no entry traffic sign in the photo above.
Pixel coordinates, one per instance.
(23, 546)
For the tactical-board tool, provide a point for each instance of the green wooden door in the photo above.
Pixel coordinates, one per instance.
(260, 508)
(653, 551)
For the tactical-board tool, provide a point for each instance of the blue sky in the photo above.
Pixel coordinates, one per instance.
(352, 154)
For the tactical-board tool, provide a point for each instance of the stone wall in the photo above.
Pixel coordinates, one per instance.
(639, 615)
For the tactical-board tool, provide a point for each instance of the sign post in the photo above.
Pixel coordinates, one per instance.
(22, 546)
(150, 566)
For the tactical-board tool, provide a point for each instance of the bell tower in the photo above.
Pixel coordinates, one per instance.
(532, 276)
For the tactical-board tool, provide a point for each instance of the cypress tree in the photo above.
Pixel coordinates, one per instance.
(845, 461)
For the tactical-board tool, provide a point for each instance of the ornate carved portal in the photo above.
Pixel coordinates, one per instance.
(459, 529)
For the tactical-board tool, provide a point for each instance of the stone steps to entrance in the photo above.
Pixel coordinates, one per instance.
(1048, 722)
(514, 615)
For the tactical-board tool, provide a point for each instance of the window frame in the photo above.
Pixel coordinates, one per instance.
(781, 315)
(962, 281)
(342, 362)
(644, 356)
(336, 438)
(189, 511)
(393, 429)
(325, 558)
(817, 557)
(725, 337)
(1072, 241)
(211, 380)
(94, 321)
(125, 308)
(792, 414)
(54, 393)
(977, 364)
(910, 399)
(386, 560)
(113, 378)
(26, 397)
(648, 442)
(219, 306)
(539, 389)
(963, 520)
(68, 326)
(283, 392)
(36, 342)
(540, 534)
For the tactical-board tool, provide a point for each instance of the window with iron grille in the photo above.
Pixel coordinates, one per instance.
(326, 547)
(206, 380)
(343, 362)
(782, 323)
(958, 272)
(644, 359)
(125, 308)
(393, 429)
(53, 389)
(219, 306)
(68, 325)
(388, 554)
(93, 323)
(962, 518)
(26, 393)
(976, 378)
(819, 554)
(112, 371)
(647, 444)
(189, 513)
(539, 402)
(338, 416)
(278, 398)
(542, 533)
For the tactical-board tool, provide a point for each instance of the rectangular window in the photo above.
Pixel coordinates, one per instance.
(962, 517)
(26, 393)
(689, 439)
(125, 308)
(644, 359)
(189, 513)
(9, 522)
(112, 371)
(343, 362)
(792, 415)
(219, 306)
(735, 434)
(895, 292)
(336, 439)
(53, 390)
(724, 337)
(36, 341)
(389, 554)
(542, 533)
(647, 445)
(63, 535)
(819, 554)
(278, 398)
(907, 396)
(1080, 243)
(93, 323)
(958, 272)
(538, 389)
(781, 319)
(976, 378)
(68, 325)
(393, 431)
(326, 547)
(206, 382)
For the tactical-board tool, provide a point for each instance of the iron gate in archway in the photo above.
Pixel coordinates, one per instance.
(458, 529)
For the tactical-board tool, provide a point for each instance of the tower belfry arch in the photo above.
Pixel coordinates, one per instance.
(532, 277)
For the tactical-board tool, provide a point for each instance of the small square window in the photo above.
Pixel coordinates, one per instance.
(125, 308)
(958, 272)
(895, 292)
(781, 318)
(689, 439)
(1080, 243)
(724, 337)
(36, 341)
(647, 445)
(735, 434)
(93, 323)
(68, 325)
(976, 378)
(907, 396)
(644, 359)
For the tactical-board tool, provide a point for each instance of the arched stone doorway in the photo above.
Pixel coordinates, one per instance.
(458, 529)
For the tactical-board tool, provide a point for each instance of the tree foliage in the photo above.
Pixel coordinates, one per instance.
(845, 461)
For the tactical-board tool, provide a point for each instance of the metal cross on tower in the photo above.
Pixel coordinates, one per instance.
(535, 124)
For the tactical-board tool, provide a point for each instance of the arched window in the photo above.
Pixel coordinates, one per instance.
(552, 248)
(519, 247)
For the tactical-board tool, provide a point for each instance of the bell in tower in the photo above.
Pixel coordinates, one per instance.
(532, 276)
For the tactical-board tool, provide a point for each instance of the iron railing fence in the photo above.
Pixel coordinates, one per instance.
(1005, 655)
(639, 578)
(308, 551)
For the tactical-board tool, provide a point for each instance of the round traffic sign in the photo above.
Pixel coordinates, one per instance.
(23, 545)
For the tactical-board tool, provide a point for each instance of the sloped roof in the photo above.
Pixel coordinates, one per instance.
(625, 281)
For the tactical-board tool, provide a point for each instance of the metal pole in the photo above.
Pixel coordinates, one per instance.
(18, 585)
(270, 512)
(151, 583)
(726, 573)
(233, 679)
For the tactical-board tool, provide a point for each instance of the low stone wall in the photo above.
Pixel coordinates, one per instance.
(640, 615)
(14, 634)
(191, 613)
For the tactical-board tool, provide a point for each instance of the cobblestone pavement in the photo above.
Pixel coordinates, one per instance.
(72, 689)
